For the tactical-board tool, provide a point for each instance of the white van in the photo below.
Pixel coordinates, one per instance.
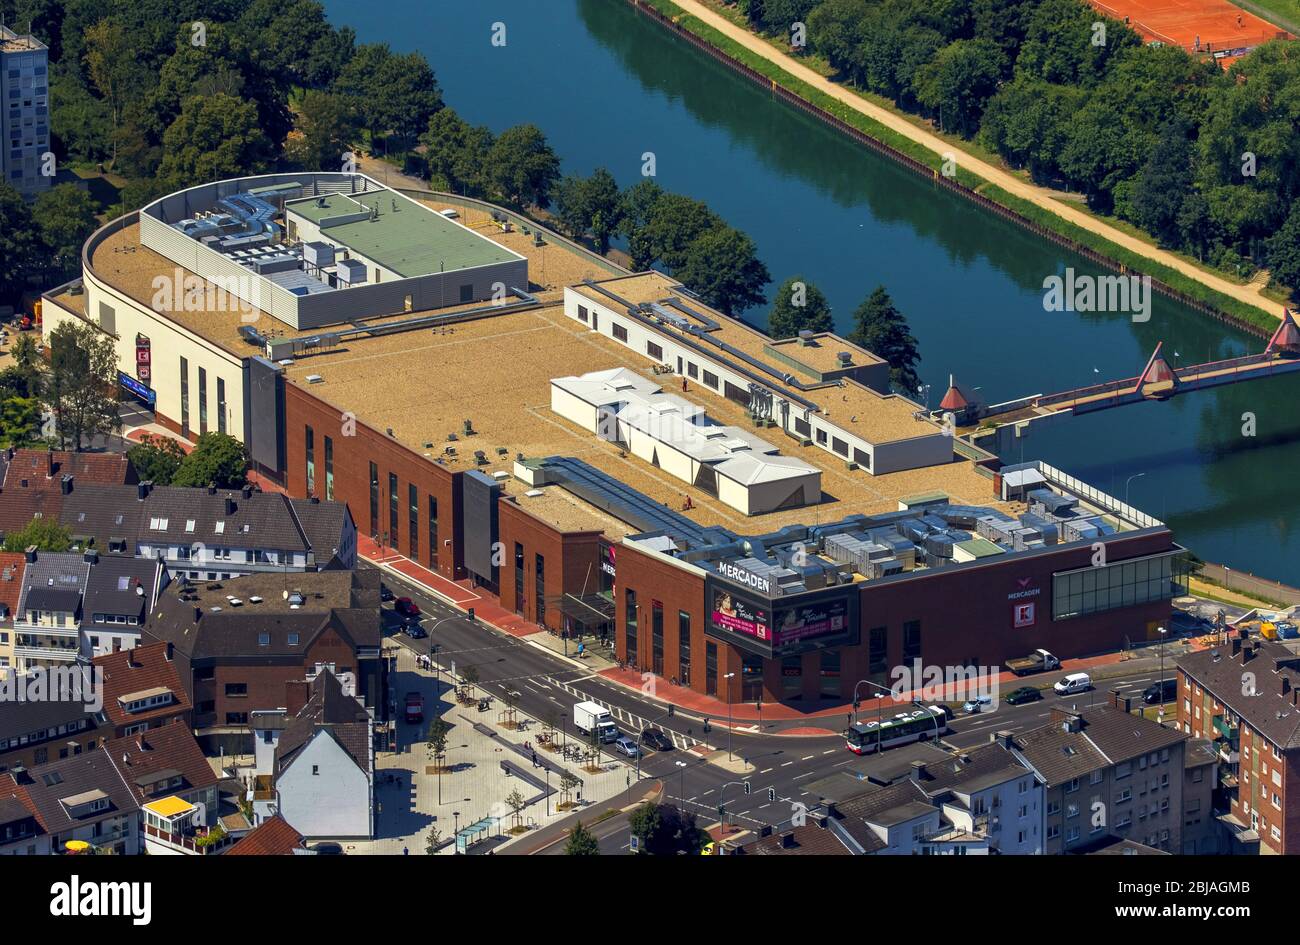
(1075, 682)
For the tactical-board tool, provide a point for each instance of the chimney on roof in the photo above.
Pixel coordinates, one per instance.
(212, 488)
(91, 556)
(131, 661)
(230, 505)
(787, 840)
(30, 553)
(142, 489)
(1248, 652)
(50, 464)
(1236, 645)
(65, 485)
(23, 482)
(171, 650)
(314, 500)
(1120, 701)
(198, 614)
(1286, 686)
(1003, 737)
(918, 770)
(247, 490)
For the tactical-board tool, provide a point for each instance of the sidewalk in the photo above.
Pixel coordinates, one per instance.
(742, 717)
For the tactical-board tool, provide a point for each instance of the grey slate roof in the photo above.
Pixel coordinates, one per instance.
(112, 589)
(1105, 736)
(348, 603)
(264, 520)
(1269, 712)
(88, 772)
(973, 770)
(328, 709)
(25, 718)
(53, 571)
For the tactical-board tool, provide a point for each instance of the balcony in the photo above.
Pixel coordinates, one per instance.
(191, 842)
(1227, 730)
(66, 654)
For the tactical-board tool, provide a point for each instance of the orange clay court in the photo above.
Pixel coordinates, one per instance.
(1209, 26)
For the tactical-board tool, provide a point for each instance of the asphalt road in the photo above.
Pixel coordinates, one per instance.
(549, 686)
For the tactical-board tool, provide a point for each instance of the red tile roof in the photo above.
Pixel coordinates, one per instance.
(12, 566)
(42, 471)
(272, 837)
(171, 748)
(132, 671)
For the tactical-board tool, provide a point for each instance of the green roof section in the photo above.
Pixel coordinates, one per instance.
(399, 234)
(979, 548)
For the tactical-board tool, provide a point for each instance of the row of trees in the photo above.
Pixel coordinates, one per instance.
(1205, 160)
(878, 326)
(41, 241)
(217, 459)
(669, 231)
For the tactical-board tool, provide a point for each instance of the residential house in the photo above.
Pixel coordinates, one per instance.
(119, 592)
(36, 732)
(83, 797)
(813, 839)
(319, 771)
(974, 802)
(272, 837)
(12, 565)
(1244, 697)
(21, 832)
(209, 533)
(1106, 771)
(33, 483)
(239, 643)
(142, 689)
(47, 623)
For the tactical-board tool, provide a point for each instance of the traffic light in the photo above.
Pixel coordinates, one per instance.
(721, 810)
(707, 727)
(470, 613)
(747, 787)
(671, 710)
(771, 794)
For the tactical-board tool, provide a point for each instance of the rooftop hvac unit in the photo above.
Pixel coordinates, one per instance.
(351, 272)
(318, 254)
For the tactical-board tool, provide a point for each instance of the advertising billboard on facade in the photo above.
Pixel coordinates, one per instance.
(782, 626)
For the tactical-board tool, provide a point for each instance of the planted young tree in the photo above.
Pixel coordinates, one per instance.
(511, 700)
(568, 782)
(437, 741)
(515, 801)
(431, 840)
(81, 386)
(881, 328)
(581, 842)
(469, 675)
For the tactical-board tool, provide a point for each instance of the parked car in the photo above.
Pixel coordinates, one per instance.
(326, 849)
(1023, 695)
(385, 592)
(1075, 682)
(1160, 692)
(627, 745)
(414, 707)
(407, 608)
(656, 740)
(414, 630)
(977, 704)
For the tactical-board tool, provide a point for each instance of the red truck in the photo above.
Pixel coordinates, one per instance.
(414, 707)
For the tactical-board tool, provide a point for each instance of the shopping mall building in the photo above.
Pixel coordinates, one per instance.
(755, 519)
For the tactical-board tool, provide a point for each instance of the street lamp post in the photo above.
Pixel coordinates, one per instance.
(1129, 482)
(1161, 712)
(728, 677)
(681, 766)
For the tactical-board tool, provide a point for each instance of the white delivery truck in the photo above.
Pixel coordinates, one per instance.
(591, 717)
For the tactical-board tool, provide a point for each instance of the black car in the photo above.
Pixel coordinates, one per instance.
(327, 849)
(655, 739)
(1160, 692)
(385, 592)
(1023, 695)
(414, 630)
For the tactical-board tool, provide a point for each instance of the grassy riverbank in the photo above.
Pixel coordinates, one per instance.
(1262, 321)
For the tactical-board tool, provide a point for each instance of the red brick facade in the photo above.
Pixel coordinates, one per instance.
(570, 564)
(355, 447)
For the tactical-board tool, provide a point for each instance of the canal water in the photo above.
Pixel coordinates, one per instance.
(607, 86)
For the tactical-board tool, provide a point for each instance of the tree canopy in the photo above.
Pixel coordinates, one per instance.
(881, 328)
(798, 306)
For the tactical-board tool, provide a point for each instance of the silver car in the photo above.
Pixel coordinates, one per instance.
(628, 746)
